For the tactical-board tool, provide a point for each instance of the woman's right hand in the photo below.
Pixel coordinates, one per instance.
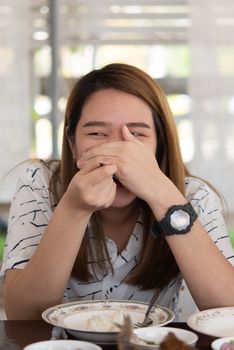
(92, 188)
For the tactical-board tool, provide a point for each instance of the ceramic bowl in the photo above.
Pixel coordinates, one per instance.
(151, 337)
(216, 344)
(95, 320)
(62, 345)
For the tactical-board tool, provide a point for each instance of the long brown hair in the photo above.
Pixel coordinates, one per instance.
(157, 265)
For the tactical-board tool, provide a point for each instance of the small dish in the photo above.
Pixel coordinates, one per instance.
(156, 335)
(216, 344)
(218, 322)
(62, 345)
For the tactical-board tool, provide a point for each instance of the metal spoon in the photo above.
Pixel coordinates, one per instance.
(147, 320)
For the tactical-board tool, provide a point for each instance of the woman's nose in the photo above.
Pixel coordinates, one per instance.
(116, 136)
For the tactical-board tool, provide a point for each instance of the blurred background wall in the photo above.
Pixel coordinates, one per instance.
(187, 45)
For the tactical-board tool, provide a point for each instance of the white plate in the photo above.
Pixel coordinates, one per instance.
(77, 317)
(216, 344)
(157, 334)
(217, 322)
(62, 345)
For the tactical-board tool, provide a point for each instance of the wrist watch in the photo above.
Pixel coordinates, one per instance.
(178, 220)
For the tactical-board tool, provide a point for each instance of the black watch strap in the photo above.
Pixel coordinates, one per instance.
(165, 227)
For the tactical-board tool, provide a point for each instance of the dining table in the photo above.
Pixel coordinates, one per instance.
(16, 334)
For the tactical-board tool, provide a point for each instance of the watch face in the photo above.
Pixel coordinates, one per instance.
(180, 219)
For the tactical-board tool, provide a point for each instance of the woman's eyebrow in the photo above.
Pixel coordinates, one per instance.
(95, 123)
(138, 124)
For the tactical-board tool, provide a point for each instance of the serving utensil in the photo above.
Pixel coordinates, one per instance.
(147, 321)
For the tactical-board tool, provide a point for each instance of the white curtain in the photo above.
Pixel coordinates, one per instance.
(211, 40)
(15, 93)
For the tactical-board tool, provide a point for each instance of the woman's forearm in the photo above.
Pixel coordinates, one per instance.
(42, 282)
(208, 274)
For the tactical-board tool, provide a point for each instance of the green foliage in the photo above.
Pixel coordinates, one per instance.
(2, 241)
(231, 235)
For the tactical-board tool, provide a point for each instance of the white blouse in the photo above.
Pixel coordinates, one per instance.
(31, 210)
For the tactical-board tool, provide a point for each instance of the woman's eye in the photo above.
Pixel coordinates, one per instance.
(136, 134)
(99, 134)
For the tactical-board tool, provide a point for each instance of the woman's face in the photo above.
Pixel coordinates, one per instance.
(102, 118)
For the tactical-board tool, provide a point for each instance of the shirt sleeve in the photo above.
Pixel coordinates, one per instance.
(209, 208)
(29, 214)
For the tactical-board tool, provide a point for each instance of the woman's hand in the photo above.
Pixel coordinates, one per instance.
(137, 168)
(92, 188)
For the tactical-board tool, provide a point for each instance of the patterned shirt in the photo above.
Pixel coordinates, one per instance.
(31, 210)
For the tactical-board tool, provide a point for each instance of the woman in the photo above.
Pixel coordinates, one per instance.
(116, 218)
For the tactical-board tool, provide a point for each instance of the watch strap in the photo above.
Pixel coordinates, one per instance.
(164, 227)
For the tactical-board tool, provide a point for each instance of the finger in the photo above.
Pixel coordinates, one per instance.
(98, 195)
(127, 135)
(94, 163)
(109, 150)
(98, 175)
(106, 193)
